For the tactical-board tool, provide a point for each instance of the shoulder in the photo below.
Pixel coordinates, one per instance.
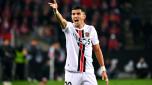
(90, 27)
(69, 24)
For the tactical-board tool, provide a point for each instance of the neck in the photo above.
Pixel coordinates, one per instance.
(80, 25)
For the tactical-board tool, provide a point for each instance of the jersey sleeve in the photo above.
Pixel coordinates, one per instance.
(67, 27)
(94, 36)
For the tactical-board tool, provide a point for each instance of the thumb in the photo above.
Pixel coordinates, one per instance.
(102, 77)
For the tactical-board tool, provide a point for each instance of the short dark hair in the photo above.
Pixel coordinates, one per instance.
(78, 7)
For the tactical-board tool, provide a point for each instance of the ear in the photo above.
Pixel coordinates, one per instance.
(84, 15)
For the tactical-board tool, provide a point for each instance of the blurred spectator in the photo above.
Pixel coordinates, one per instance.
(38, 66)
(113, 43)
(51, 54)
(20, 61)
(5, 29)
(44, 70)
(129, 67)
(115, 16)
(111, 66)
(34, 57)
(7, 54)
(57, 56)
(142, 68)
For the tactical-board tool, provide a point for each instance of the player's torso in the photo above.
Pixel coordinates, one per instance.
(79, 49)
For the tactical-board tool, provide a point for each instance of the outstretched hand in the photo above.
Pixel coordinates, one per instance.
(53, 4)
(105, 77)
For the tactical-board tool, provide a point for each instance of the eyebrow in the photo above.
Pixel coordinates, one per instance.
(76, 13)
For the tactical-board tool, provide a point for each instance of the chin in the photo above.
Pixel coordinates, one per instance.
(76, 24)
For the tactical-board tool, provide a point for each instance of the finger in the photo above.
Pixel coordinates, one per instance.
(107, 82)
(106, 79)
(54, 1)
(102, 78)
(50, 3)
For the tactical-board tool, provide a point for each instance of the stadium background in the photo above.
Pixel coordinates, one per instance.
(124, 28)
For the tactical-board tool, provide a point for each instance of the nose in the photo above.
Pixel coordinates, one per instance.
(75, 15)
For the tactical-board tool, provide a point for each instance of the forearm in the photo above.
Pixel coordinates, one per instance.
(60, 18)
(100, 58)
(99, 55)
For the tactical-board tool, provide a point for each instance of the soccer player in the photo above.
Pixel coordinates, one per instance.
(80, 40)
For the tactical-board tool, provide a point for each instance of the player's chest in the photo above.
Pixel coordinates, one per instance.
(82, 37)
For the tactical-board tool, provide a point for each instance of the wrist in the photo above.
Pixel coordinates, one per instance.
(103, 68)
(55, 11)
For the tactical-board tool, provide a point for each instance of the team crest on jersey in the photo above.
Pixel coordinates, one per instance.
(87, 34)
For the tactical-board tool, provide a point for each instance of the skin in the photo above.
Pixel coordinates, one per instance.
(78, 18)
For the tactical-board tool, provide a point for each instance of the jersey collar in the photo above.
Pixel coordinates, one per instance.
(81, 28)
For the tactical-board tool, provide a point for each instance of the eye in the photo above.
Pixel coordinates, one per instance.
(78, 13)
(73, 13)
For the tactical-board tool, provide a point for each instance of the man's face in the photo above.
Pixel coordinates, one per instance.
(34, 42)
(78, 17)
(6, 42)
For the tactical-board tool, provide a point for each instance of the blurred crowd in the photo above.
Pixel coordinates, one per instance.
(24, 23)
(31, 62)
(138, 68)
(117, 24)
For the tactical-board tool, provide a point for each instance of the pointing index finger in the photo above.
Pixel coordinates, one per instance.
(54, 1)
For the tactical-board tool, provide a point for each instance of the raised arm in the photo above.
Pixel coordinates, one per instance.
(59, 17)
(100, 59)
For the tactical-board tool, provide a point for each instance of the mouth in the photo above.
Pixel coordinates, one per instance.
(76, 20)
